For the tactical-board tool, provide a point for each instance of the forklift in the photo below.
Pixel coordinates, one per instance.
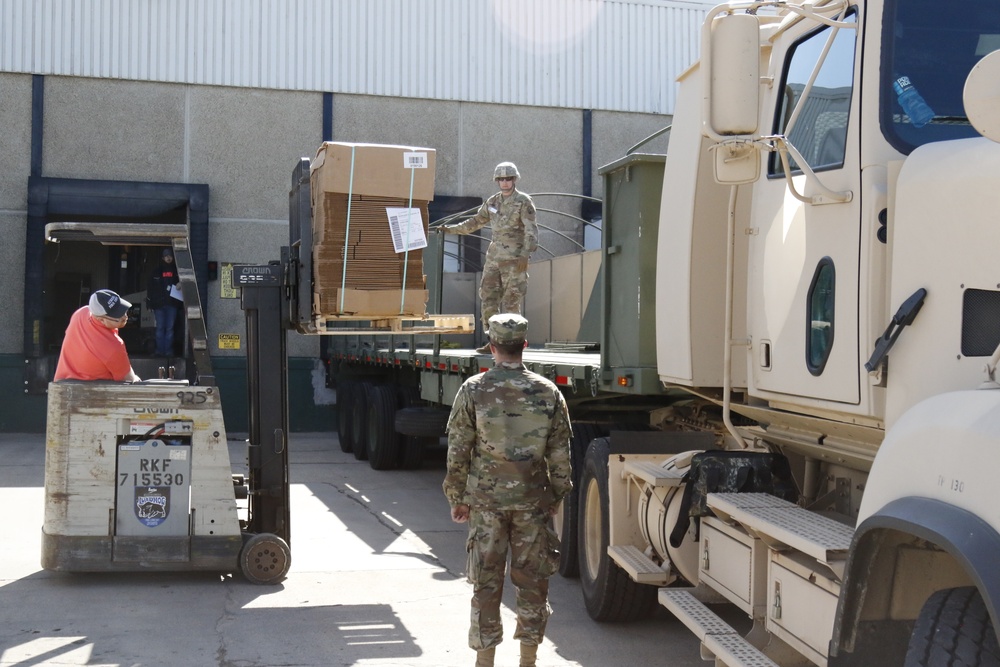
(138, 476)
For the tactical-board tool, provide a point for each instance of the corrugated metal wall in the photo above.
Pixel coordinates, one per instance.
(594, 54)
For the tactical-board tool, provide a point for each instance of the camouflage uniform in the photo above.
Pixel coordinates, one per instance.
(515, 237)
(509, 460)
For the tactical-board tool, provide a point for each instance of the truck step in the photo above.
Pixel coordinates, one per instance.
(717, 636)
(653, 474)
(781, 524)
(639, 567)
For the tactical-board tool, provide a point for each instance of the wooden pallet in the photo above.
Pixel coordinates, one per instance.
(401, 324)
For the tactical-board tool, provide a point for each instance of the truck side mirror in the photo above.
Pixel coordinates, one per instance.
(982, 96)
(734, 74)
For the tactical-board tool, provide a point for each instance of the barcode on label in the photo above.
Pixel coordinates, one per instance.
(415, 160)
(395, 226)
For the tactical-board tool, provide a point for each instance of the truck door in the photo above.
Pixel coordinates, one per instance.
(804, 258)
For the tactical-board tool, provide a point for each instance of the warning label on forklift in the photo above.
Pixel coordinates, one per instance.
(226, 289)
(228, 341)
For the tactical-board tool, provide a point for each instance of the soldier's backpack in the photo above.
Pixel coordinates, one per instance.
(729, 472)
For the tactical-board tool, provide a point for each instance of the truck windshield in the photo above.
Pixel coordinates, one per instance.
(926, 57)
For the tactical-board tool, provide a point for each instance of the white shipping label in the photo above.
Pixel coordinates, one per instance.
(407, 227)
(415, 160)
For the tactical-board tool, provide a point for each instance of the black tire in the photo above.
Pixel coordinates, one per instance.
(413, 451)
(566, 524)
(359, 420)
(422, 421)
(608, 592)
(345, 410)
(411, 447)
(382, 441)
(953, 630)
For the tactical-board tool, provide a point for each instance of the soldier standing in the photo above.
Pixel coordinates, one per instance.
(508, 468)
(511, 215)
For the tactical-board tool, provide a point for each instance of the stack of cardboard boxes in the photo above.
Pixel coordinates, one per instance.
(356, 188)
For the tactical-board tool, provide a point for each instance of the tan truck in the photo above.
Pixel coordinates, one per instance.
(827, 279)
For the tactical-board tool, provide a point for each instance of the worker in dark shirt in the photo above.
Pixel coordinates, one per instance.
(159, 297)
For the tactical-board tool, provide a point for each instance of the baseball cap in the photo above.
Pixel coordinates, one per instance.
(508, 328)
(106, 303)
(167, 252)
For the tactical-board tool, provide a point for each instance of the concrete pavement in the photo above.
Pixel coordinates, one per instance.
(377, 578)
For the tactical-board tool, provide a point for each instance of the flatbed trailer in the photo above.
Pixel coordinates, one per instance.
(576, 372)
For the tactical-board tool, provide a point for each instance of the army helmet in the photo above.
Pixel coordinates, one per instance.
(506, 169)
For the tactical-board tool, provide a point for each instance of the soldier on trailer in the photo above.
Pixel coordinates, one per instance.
(511, 215)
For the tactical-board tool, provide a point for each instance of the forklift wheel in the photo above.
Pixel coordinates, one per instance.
(265, 558)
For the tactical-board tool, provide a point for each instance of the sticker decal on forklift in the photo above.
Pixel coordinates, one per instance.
(152, 504)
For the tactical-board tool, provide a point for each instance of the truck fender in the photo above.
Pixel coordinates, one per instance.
(969, 540)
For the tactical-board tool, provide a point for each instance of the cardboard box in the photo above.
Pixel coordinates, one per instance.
(368, 302)
(379, 170)
(359, 260)
(366, 274)
(369, 221)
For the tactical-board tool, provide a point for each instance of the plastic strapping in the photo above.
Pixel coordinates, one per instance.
(406, 250)
(347, 232)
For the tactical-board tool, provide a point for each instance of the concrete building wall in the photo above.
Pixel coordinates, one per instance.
(15, 149)
(244, 143)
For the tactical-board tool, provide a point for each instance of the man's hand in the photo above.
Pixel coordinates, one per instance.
(522, 264)
(460, 513)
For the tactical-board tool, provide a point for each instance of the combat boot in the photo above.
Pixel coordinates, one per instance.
(528, 652)
(485, 349)
(485, 657)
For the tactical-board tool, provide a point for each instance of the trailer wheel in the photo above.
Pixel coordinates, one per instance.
(608, 592)
(265, 559)
(413, 451)
(567, 516)
(411, 447)
(423, 421)
(359, 420)
(382, 441)
(953, 629)
(344, 414)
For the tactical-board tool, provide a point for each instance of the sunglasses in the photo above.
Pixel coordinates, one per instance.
(506, 178)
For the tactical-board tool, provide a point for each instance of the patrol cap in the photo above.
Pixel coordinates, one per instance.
(106, 303)
(506, 328)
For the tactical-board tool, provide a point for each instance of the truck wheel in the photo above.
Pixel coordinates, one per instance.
(413, 450)
(952, 630)
(608, 592)
(265, 559)
(382, 441)
(344, 413)
(359, 420)
(411, 447)
(422, 421)
(566, 517)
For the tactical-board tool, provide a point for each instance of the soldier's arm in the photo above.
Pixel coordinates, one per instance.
(475, 223)
(530, 228)
(557, 455)
(461, 440)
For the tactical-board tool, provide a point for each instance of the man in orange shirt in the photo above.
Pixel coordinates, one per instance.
(92, 349)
